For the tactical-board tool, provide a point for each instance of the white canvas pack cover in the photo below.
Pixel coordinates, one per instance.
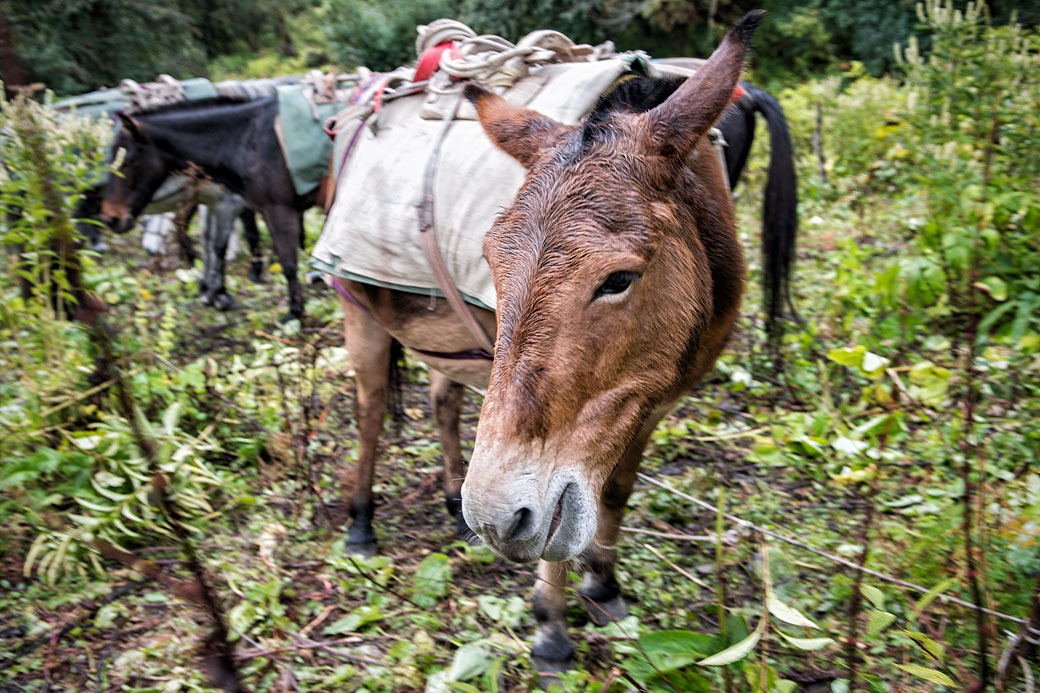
(372, 230)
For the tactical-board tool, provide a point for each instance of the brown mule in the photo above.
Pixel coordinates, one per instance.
(619, 276)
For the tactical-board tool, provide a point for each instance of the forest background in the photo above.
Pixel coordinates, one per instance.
(888, 445)
(80, 45)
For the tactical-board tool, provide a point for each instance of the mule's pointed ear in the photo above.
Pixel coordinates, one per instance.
(132, 126)
(677, 124)
(519, 132)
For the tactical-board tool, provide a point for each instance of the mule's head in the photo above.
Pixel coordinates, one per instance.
(618, 276)
(143, 170)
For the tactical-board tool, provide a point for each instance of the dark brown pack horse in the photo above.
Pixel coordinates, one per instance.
(619, 276)
(231, 141)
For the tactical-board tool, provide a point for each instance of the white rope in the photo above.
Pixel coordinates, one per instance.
(837, 559)
(492, 60)
(144, 97)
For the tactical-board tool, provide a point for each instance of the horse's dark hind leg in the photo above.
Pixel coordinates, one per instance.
(181, 220)
(447, 396)
(220, 223)
(256, 251)
(369, 347)
(285, 225)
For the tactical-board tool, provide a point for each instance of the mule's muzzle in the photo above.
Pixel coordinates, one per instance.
(118, 223)
(522, 524)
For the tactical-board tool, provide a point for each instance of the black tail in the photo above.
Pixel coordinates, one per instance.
(779, 212)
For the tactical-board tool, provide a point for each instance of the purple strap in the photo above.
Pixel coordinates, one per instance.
(467, 355)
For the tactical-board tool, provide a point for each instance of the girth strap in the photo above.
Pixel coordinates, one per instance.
(428, 239)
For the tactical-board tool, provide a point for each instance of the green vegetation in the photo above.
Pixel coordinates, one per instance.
(79, 46)
(901, 434)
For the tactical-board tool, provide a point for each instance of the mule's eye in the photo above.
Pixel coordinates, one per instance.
(616, 283)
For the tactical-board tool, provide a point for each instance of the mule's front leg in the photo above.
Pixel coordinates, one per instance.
(368, 345)
(447, 396)
(552, 652)
(600, 592)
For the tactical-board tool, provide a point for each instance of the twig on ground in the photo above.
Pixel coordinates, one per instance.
(836, 559)
(679, 570)
(709, 538)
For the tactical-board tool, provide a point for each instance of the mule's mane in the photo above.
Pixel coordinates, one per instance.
(633, 92)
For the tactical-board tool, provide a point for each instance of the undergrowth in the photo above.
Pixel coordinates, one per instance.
(897, 430)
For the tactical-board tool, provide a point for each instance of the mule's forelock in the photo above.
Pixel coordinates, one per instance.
(675, 127)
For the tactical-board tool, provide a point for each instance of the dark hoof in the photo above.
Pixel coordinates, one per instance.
(256, 272)
(289, 317)
(549, 671)
(99, 247)
(364, 549)
(223, 302)
(603, 613)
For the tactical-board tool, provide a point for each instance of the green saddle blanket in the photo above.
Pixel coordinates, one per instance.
(304, 143)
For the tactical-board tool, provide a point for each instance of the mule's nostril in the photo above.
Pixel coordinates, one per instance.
(522, 526)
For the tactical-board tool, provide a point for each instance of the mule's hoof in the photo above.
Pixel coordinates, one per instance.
(256, 272)
(99, 247)
(365, 549)
(289, 317)
(549, 672)
(223, 302)
(603, 613)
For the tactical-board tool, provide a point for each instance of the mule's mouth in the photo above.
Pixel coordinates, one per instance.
(557, 517)
(571, 526)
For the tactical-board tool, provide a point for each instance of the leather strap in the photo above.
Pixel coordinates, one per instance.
(428, 240)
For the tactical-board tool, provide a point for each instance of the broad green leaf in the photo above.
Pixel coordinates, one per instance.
(933, 675)
(849, 446)
(934, 649)
(787, 614)
(87, 442)
(347, 624)
(872, 362)
(463, 687)
(873, 595)
(847, 357)
(432, 580)
(669, 650)
(878, 621)
(737, 652)
(470, 660)
(994, 287)
(807, 644)
(933, 593)
(169, 419)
